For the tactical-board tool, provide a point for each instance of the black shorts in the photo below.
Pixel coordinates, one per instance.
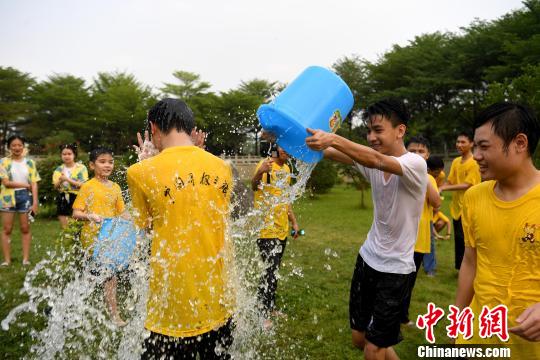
(214, 344)
(375, 303)
(64, 204)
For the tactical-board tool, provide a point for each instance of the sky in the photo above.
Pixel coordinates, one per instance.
(225, 41)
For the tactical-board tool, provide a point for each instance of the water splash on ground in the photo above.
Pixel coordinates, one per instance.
(66, 291)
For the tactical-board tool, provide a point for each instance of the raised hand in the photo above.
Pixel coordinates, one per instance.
(145, 149)
(319, 139)
(198, 137)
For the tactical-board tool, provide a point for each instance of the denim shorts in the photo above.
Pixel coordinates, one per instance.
(23, 202)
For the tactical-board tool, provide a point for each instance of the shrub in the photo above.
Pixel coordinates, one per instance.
(323, 177)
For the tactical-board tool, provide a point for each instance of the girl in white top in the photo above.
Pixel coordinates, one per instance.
(19, 194)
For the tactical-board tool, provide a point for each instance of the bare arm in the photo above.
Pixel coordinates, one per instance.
(467, 273)
(35, 199)
(293, 221)
(335, 155)
(366, 156)
(265, 167)
(75, 183)
(450, 187)
(433, 197)
(82, 215)
(14, 184)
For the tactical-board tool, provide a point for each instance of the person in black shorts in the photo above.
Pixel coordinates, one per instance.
(67, 179)
(384, 265)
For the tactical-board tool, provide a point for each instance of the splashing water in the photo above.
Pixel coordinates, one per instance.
(66, 290)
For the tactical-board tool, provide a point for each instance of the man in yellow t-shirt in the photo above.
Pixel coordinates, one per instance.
(464, 173)
(182, 195)
(270, 181)
(424, 245)
(501, 222)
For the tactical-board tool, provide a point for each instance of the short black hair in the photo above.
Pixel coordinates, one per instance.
(15, 137)
(72, 147)
(508, 120)
(391, 108)
(95, 153)
(466, 133)
(435, 163)
(170, 114)
(418, 139)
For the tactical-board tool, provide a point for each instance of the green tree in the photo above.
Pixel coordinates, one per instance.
(122, 104)
(190, 86)
(63, 107)
(15, 105)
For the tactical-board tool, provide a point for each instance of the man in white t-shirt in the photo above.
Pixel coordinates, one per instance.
(398, 182)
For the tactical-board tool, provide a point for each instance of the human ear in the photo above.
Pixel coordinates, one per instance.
(521, 143)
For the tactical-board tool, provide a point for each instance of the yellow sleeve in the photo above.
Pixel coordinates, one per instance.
(84, 173)
(139, 201)
(452, 178)
(56, 175)
(120, 206)
(466, 220)
(473, 176)
(33, 173)
(433, 182)
(82, 197)
(3, 172)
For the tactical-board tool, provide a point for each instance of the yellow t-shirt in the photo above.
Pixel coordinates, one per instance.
(268, 199)
(185, 192)
(423, 241)
(506, 236)
(461, 173)
(98, 198)
(440, 178)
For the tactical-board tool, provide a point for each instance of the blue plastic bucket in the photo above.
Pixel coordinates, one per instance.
(316, 99)
(115, 243)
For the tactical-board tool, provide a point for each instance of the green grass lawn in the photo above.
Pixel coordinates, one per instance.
(313, 292)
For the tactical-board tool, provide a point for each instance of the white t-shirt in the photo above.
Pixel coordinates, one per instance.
(19, 172)
(397, 205)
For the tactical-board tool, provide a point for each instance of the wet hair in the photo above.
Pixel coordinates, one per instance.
(435, 163)
(170, 114)
(94, 154)
(467, 134)
(15, 137)
(72, 147)
(392, 109)
(418, 139)
(508, 120)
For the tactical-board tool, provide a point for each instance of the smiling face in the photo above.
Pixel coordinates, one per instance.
(495, 163)
(68, 157)
(16, 147)
(103, 166)
(382, 136)
(463, 145)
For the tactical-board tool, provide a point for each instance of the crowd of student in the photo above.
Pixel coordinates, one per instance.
(181, 197)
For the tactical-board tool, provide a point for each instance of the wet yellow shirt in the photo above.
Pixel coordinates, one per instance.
(423, 241)
(506, 236)
(184, 192)
(98, 198)
(268, 199)
(440, 178)
(461, 173)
